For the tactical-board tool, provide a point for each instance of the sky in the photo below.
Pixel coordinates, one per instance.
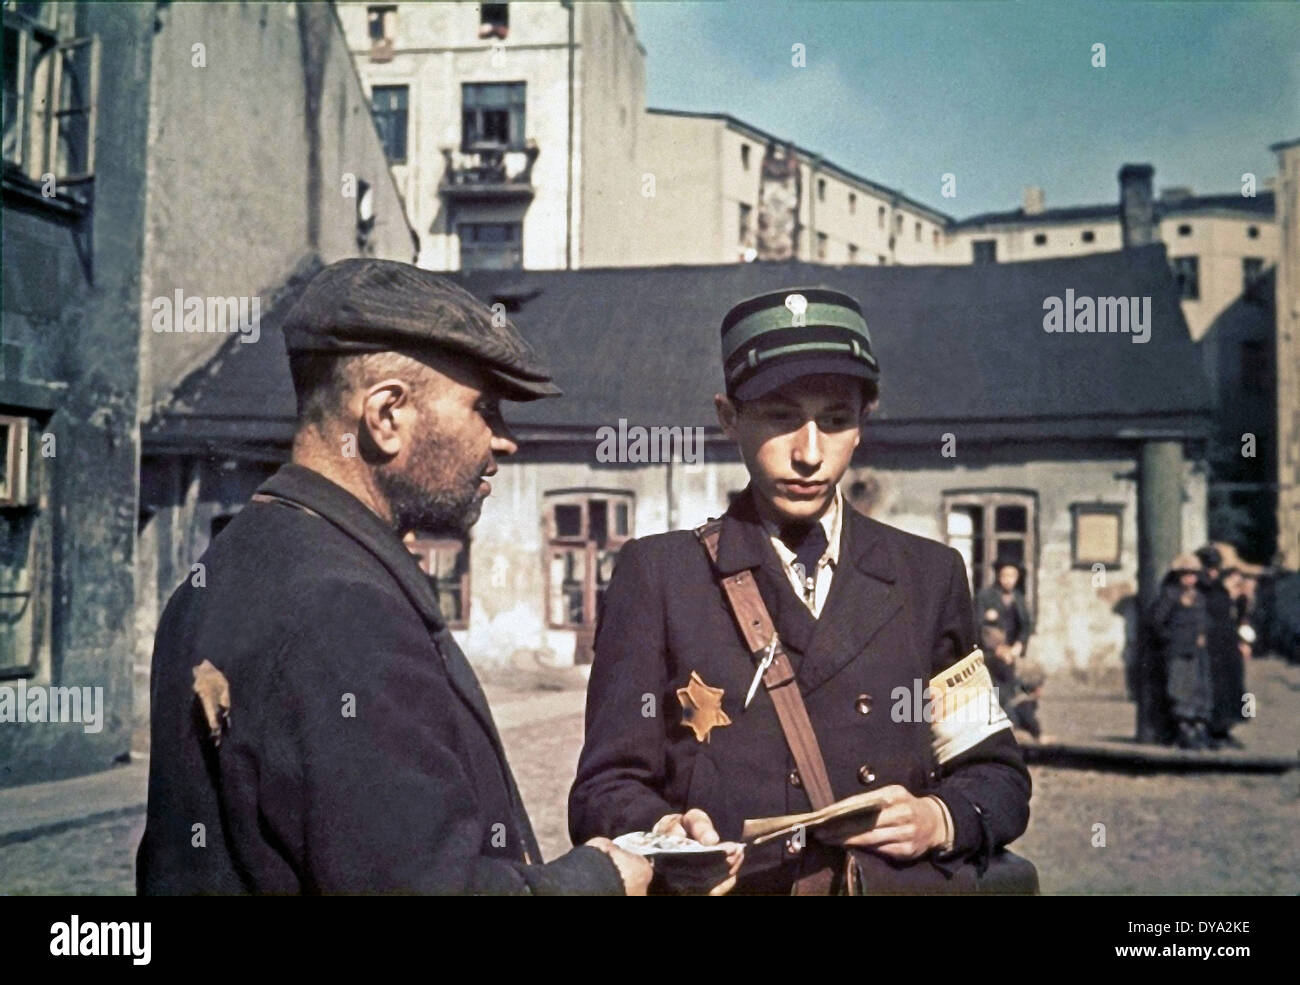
(999, 94)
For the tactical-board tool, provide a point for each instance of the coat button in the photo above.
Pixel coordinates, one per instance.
(865, 776)
(792, 847)
(794, 779)
(863, 704)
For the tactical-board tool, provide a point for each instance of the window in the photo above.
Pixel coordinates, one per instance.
(382, 23)
(880, 216)
(389, 108)
(883, 259)
(50, 88)
(821, 189)
(13, 461)
(853, 203)
(991, 528)
(1040, 239)
(1187, 274)
(585, 529)
(984, 251)
(853, 253)
(1184, 230)
(935, 242)
(1252, 280)
(821, 246)
(492, 114)
(24, 555)
(744, 236)
(491, 245)
(446, 562)
(898, 223)
(494, 20)
(918, 232)
(744, 156)
(1096, 534)
(1255, 362)
(1088, 236)
(1252, 232)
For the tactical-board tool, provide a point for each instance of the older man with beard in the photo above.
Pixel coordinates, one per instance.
(315, 727)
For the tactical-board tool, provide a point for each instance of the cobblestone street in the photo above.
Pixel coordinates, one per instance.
(1211, 833)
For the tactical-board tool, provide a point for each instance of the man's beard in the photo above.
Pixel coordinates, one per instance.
(433, 495)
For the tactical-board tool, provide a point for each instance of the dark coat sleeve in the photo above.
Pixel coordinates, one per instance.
(381, 801)
(987, 787)
(622, 766)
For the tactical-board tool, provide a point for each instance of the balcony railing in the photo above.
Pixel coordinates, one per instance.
(489, 172)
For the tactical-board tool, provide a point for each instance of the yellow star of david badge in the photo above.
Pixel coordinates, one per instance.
(701, 707)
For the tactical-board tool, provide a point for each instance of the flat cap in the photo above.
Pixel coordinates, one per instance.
(366, 305)
(773, 338)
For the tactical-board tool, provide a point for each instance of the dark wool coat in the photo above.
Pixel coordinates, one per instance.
(899, 611)
(1180, 630)
(308, 611)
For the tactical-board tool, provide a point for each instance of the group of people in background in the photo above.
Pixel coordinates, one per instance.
(1200, 622)
(1004, 631)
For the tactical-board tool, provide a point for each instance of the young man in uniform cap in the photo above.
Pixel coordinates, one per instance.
(340, 742)
(860, 608)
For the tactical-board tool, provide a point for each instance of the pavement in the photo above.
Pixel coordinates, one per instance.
(1228, 832)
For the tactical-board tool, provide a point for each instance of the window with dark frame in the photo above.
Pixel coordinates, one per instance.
(1184, 230)
(492, 115)
(381, 22)
(822, 242)
(744, 156)
(584, 531)
(1040, 239)
(51, 83)
(491, 245)
(494, 20)
(446, 561)
(984, 251)
(853, 253)
(1252, 232)
(744, 236)
(1088, 236)
(1187, 274)
(992, 527)
(1252, 280)
(853, 203)
(389, 107)
(1096, 534)
(880, 216)
(24, 553)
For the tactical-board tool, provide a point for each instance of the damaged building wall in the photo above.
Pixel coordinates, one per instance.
(71, 316)
(253, 229)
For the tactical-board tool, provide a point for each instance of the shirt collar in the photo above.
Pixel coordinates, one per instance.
(832, 522)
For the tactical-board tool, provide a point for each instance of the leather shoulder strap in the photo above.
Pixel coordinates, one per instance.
(756, 626)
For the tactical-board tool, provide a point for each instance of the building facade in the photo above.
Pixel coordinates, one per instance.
(129, 261)
(508, 126)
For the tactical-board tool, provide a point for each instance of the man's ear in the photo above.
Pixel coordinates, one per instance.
(726, 415)
(382, 408)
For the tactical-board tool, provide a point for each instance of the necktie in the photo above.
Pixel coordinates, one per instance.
(808, 541)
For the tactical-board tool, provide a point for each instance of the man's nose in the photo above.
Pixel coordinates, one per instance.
(808, 446)
(503, 442)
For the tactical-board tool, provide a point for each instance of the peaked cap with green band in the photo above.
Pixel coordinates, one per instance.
(774, 338)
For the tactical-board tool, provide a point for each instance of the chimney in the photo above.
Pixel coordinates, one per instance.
(1033, 200)
(1136, 205)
